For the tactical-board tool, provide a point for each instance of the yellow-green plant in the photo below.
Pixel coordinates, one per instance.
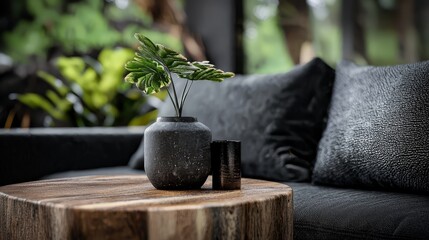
(153, 65)
(91, 92)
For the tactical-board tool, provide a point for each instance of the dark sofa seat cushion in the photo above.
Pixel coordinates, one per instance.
(333, 213)
(279, 118)
(378, 129)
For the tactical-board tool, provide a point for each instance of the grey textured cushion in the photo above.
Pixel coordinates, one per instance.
(333, 213)
(378, 129)
(279, 118)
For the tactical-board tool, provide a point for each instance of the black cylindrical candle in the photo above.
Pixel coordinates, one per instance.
(226, 161)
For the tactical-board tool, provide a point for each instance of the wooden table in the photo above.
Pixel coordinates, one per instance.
(129, 207)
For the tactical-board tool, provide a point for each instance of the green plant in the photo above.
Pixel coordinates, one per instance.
(153, 65)
(92, 93)
(80, 27)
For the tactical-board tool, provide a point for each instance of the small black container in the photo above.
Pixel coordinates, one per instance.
(226, 161)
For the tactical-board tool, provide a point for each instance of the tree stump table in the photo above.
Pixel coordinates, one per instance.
(129, 207)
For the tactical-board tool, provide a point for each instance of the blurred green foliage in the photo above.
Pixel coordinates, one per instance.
(65, 39)
(92, 92)
(77, 28)
(264, 44)
(378, 38)
(35, 41)
(385, 32)
(326, 31)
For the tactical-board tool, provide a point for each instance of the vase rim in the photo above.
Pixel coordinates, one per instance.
(176, 119)
(226, 141)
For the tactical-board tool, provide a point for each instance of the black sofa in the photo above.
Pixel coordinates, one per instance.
(343, 201)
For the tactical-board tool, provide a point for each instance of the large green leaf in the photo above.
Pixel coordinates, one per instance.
(151, 67)
(174, 61)
(206, 71)
(148, 75)
(153, 64)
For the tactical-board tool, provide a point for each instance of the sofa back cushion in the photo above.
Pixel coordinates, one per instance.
(378, 130)
(279, 118)
(29, 154)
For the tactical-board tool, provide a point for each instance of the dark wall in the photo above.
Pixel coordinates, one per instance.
(220, 25)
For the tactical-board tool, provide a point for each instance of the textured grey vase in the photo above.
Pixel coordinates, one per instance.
(177, 153)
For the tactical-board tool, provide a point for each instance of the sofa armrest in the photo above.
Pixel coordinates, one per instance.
(28, 154)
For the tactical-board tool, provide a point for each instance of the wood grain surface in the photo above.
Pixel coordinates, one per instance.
(129, 207)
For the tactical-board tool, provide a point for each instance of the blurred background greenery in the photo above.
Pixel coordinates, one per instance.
(376, 32)
(61, 61)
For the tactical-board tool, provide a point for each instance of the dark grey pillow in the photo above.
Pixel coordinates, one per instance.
(378, 130)
(279, 118)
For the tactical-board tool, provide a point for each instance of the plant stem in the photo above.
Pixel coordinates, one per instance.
(176, 109)
(178, 113)
(185, 95)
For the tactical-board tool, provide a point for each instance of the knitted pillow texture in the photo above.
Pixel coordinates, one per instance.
(378, 129)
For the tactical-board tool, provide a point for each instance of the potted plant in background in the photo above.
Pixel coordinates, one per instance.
(91, 93)
(176, 148)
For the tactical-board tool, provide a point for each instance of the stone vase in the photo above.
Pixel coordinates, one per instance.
(177, 153)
